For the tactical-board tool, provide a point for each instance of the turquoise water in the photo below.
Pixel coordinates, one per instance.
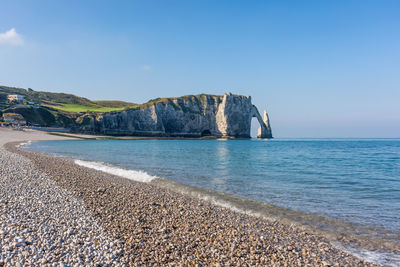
(354, 181)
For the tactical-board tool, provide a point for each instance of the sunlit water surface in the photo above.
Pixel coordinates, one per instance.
(356, 181)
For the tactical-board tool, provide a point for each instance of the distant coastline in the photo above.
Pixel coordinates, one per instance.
(190, 116)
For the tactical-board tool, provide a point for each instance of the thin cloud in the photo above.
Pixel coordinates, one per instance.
(11, 37)
(146, 68)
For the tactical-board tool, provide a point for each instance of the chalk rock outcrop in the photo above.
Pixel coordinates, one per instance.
(265, 129)
(188, 116)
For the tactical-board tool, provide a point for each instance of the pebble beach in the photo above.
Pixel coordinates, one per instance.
(56, 213)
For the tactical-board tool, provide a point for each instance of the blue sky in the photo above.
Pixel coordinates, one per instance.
(321, 68)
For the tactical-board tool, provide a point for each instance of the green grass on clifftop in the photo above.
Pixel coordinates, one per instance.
(64, 102)
(76, 108)
(67, 110)
(114, 103)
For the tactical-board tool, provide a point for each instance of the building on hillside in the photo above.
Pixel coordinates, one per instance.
(14, 119)
(18, 98)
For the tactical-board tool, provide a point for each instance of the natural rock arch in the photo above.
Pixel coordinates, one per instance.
(188, 116)
(265, 130)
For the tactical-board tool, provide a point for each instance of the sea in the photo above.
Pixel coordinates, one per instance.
(345, 189)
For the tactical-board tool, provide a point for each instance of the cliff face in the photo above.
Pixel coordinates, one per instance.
(190, 116)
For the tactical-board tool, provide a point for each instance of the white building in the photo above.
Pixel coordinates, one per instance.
(18, 98)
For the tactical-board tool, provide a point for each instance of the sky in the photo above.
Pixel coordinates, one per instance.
(320, 68)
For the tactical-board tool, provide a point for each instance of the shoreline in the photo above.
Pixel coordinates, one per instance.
(95, 136)
(365, 242)
(159, 226)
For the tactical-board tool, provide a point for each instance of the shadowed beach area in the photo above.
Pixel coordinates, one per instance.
(55, 212)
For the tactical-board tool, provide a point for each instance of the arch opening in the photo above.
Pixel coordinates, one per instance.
(254, 126)
(264, 130)
(206, 133)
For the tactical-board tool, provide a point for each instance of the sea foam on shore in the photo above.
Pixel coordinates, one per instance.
(139, 176)
(264, 211)
(155, 225)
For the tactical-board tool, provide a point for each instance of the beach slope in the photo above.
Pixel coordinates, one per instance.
(54, 211)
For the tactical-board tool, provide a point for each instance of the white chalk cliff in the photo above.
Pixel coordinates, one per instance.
(188, 116)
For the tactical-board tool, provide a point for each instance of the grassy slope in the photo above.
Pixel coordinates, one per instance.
(46, 97)
(114, 103)
(66, 102)
(76, 104)
(67, 110)
(76, 108)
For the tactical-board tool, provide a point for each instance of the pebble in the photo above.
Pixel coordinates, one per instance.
(35, 213)
(77, 217)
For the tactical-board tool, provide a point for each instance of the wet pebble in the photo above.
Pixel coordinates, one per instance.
(77, 216)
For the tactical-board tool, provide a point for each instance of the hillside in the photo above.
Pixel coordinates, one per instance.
(46, 97)
(64, 102)
(55, 109)
(71, 111)
(68, 110)
(75, 104)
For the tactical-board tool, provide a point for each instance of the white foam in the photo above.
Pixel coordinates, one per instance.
(24, 143)
(386, 259)
(139, 176)
(228, 205)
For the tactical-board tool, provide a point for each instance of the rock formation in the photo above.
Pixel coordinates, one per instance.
(188, 116)
(265, 129)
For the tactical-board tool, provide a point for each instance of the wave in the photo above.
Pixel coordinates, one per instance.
(342, 235)
(139, 176)
(23, 144)
(334, 230)
(382, 258)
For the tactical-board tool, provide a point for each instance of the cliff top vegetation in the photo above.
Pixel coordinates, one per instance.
(48, 108)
